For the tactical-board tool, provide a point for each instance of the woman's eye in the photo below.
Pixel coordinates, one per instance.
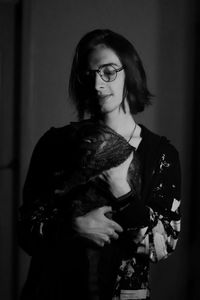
(109, 71)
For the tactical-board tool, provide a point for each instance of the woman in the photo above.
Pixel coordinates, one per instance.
(102, 195)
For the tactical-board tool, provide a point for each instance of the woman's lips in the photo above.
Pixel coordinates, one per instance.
(104, 97)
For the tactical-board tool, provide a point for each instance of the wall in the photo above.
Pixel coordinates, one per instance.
(7, 147)
(161, 32)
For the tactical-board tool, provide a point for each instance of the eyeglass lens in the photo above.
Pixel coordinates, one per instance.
(107, 73)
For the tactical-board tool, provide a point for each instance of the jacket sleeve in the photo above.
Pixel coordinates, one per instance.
(158, 237)
(41, 219)
(153, 223)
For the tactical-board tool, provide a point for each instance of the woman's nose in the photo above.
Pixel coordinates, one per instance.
(99, 83)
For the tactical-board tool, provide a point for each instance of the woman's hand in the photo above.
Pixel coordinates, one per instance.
(116, 178)
(96, 227)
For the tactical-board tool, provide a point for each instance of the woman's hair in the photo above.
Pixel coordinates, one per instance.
(135, 87)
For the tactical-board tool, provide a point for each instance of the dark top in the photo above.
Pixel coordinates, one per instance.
(63, 264)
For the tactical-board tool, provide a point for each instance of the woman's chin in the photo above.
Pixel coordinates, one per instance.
(106, 109)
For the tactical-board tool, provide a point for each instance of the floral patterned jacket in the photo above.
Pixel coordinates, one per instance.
(63, 264)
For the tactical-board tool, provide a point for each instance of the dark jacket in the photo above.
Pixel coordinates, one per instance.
(61, 262)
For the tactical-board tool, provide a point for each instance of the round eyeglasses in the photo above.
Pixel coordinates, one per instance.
(107, 73)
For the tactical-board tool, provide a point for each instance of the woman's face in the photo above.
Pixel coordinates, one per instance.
(108, 94)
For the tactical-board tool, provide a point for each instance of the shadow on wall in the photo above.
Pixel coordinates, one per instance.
(177, 118)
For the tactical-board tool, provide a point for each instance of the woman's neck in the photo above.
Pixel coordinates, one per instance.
(120, 121)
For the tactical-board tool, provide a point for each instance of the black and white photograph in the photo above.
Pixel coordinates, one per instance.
(99, 149)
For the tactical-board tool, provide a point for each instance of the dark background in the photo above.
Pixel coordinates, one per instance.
(37, 40)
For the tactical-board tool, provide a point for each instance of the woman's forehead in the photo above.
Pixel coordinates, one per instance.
(103, 55)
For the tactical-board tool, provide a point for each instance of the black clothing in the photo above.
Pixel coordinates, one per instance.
(62, 264)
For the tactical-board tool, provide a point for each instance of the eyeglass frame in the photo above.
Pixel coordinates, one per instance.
(101, 75)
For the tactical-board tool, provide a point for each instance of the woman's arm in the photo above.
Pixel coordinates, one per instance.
(159, 238)
(41, 220)
(153, 223)
(45, 217)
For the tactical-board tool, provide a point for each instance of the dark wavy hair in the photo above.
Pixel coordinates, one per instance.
(135, 87)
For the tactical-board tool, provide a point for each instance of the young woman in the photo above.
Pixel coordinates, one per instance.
(102, 195)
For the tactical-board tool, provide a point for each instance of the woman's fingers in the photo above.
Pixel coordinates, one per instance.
(113, 235)
(96, 227)
(111, 225)
(102, 240)
(106, 238)
(105, 209)
(114, 225)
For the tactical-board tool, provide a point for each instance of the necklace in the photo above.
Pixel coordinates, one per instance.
(131, 136)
